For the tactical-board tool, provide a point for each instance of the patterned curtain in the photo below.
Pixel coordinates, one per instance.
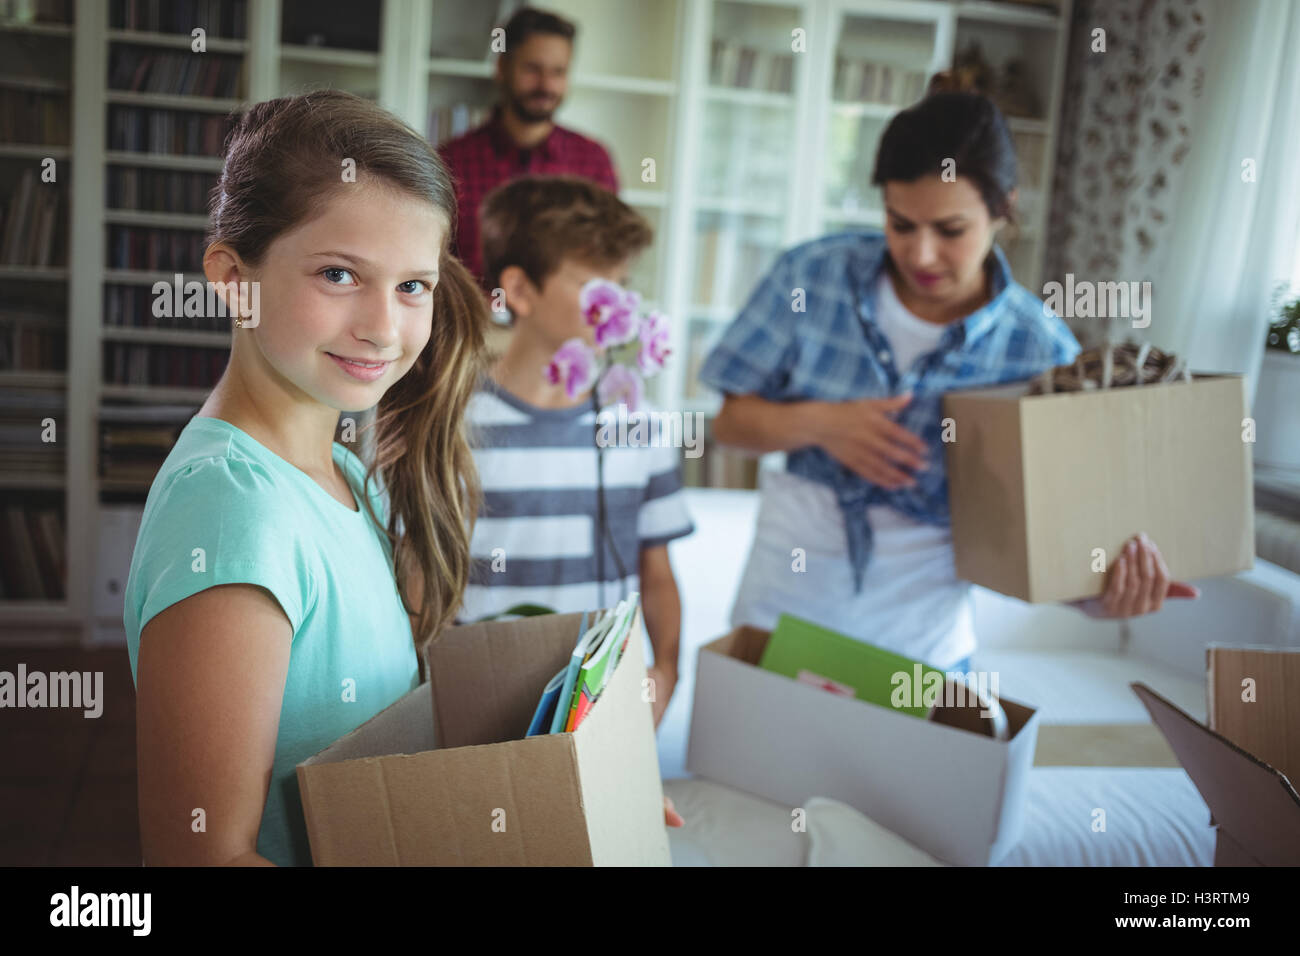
(1127, 125)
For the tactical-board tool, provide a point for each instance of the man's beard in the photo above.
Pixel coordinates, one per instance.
(520, 107)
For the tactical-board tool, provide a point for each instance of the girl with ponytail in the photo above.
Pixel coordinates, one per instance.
(280, 590)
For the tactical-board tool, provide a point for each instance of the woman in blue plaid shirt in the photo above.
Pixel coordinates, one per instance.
(841, 357)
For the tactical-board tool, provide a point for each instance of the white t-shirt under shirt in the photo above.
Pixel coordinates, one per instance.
(911, 600)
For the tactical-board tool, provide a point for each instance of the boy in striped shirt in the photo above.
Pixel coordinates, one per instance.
(566, 524)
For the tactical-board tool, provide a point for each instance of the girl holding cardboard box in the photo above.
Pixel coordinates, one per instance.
(854, 534)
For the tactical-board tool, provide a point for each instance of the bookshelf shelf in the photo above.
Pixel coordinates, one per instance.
(35, 273)
(328, 55)
(156, 393)
(37, 29)
(34, 84)
(181, 41)
(10, 378)
(449, 66)
(1016, 14)
(34, 151)
(24, 480)
(140, 277)
(163, 220)
(210, 104)
(647, 198)
(127, 333)
(206, 164)
(35, 611)
(881, 111)
(743, 97)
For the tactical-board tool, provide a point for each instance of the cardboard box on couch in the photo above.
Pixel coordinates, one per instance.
(1245, 761)
(1036, 483)
(957, 795)
(445, 776)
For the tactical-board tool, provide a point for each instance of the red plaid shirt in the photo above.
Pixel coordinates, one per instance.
(486, 157)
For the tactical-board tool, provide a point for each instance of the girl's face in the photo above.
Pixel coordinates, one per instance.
(347, 298)
(939, 234)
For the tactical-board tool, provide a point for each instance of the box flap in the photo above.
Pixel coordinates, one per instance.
(487, 678)
(1249, 799)
(1267, 722)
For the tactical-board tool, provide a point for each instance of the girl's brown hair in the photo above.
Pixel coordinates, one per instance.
(284, 158)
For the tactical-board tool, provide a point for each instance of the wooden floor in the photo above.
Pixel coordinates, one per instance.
(67, 782)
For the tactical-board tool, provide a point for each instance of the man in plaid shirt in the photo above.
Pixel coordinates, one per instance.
(520, 138)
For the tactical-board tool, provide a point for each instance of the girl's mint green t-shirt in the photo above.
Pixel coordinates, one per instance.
(224, 509)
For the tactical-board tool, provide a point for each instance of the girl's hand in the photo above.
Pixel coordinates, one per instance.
(671, 817)
(1138, 583)
(863, 436)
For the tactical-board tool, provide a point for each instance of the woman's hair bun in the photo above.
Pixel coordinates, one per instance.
(959, 80)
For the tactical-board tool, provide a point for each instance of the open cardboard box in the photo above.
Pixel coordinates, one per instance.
(444, 776)
(1245, 760)
(955, 794)
(1036, 483)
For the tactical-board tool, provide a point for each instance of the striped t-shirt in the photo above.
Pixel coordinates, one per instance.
(535, 539)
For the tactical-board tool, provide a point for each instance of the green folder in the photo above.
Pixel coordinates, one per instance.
(808, 653)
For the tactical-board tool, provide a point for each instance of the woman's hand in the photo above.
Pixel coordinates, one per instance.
(671, 817)
(663, 682)
(1138, 583)
(863, 436)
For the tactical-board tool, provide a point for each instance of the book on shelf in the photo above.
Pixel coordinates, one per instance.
(135, 189)
(740, 66)
(173, 366)
(32, 341)
(453, 119)
(227, 19)
(34, 117)
(169, 250)
(33, 565)
(30, 223)
(144, 70)
(139, 129)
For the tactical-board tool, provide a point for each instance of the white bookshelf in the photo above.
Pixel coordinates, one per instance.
(746, 160)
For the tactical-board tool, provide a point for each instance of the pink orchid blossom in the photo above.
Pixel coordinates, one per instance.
(574, 365)
(654, 349)
(620, 384)
(597, 295)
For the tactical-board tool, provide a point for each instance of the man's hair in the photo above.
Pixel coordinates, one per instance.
(537, 222)
(528, 21)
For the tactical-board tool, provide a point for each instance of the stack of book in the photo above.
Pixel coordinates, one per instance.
(178, 366)
(569, 696)
(449, 121)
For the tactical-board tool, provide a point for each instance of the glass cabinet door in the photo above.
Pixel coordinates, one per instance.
(884, 56)
(741, 201)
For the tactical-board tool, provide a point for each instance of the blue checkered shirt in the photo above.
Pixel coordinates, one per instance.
(835, 351)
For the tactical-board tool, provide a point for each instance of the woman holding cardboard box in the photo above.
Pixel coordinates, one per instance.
(854, 534)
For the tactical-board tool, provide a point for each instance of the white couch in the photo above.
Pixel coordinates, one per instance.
(1076, 671)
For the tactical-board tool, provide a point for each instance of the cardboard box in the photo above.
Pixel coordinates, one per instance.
(955, 794)
(1244, 762)
(1037, 482)
(444, 776)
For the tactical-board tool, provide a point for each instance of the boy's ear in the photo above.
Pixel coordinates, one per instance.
(521, 294)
